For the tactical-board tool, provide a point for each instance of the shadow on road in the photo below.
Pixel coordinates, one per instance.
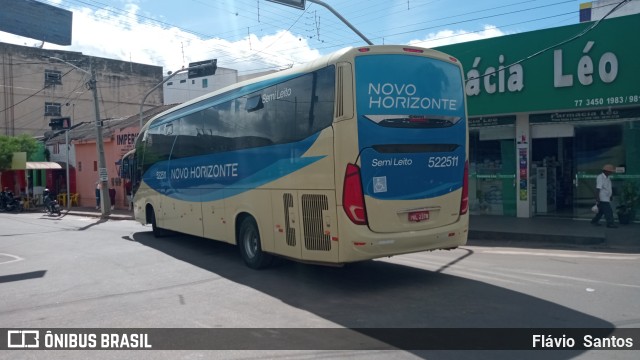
(97, 222)
(378, 294)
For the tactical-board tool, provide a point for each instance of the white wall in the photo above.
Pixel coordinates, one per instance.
(180, 89)
(600, 8)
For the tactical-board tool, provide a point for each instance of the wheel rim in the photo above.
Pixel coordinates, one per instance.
(251, 243)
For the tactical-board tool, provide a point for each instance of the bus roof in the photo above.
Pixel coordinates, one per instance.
(318, 63)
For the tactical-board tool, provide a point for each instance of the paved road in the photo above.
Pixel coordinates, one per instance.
(76, 272)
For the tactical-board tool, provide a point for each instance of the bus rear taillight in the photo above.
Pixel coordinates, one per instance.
(464, 202)
(353, 196)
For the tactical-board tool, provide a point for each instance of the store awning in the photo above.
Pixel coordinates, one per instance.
(42, 165)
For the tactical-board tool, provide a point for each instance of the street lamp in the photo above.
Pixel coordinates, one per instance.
(299, 4)
(207, 64)
(105, 205)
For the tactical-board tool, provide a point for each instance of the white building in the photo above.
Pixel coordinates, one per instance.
(596, 10)
(180, 88)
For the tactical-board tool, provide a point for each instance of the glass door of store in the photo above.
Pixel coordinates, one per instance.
(552, 166)
(596, 145)
(492, 171)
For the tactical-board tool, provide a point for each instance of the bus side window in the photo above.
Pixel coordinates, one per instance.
(324, 98)
(254, 103)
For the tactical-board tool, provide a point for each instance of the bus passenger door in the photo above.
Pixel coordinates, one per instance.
(286, 231)
(319, 226)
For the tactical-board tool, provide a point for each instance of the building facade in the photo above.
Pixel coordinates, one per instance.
(594, 10)
(118, 138)
(35, 88)
(547, 110)
(38, 85)
(180, 88)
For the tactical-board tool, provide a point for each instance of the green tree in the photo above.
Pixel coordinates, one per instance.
(20, 143)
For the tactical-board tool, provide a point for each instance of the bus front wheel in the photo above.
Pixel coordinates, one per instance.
(249, 244)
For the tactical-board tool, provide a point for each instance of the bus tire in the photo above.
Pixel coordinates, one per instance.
(250, 247)
(158, 232)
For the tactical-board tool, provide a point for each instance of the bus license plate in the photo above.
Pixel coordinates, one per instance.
(417, 216)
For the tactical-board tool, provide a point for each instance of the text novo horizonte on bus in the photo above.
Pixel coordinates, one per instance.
(403, 96)
(205, 171)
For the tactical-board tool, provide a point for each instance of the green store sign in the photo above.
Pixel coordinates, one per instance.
(598, 69)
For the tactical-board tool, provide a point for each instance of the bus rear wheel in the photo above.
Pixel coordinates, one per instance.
(249, 244)
(157, 231)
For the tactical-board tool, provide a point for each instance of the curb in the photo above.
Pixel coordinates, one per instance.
(539, 238)
(99, 215)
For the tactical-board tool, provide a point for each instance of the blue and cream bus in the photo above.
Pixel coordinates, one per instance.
(358, 155)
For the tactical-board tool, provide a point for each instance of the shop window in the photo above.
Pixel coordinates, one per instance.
(492, 171)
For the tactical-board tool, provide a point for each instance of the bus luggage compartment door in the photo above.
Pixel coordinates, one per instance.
(319, 226)
(286, 229)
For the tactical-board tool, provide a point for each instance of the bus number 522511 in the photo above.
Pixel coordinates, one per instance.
(442, 161)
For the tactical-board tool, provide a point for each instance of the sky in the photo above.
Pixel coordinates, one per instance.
(258, 35)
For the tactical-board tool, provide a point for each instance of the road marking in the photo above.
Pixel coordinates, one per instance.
(509, 275)
(478, 273)
(573, 278)
(602, 256)
(13, 258)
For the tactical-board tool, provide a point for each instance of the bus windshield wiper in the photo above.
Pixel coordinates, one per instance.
(414, 121)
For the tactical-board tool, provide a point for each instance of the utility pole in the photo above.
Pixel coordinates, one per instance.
(105, 203)
(66, 144)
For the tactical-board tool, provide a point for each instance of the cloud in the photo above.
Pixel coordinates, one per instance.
(448, 37)
(122, 35)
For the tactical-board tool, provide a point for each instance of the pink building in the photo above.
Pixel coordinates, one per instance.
(117, 143)
(119, 137)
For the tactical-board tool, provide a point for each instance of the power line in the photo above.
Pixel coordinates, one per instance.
(30, 96)
(273, 20)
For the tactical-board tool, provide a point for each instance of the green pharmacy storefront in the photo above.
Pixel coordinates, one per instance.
(542, 128)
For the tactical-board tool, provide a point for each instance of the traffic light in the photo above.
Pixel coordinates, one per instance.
(204, 68)
(60, 123)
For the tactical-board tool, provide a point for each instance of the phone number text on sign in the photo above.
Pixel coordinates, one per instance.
(612, 100)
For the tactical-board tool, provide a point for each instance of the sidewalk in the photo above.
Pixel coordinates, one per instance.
(116, 214)
(554, 231)
(508, 231)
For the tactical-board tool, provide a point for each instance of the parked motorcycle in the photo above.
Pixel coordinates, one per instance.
(3, 201)
(11, 203)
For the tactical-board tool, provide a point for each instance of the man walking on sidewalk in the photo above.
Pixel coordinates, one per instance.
(604, 191)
